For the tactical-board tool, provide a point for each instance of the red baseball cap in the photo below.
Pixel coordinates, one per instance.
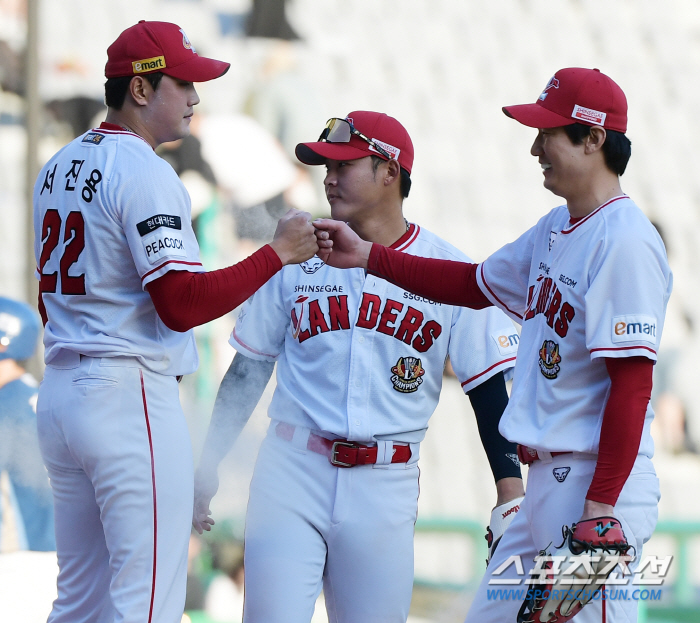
(575, 95)
(384, 130)
(148, 47)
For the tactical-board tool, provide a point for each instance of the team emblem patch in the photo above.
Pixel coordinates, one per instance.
(312, 265)
(186, 42)
(549, 359)
(552, 84)
(560, 473)
(93, 138)
(407, 374)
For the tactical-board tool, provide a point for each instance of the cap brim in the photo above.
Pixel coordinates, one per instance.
(319, 152)
(537, 116)
(198, 69)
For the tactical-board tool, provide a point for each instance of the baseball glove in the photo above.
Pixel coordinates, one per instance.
(501, 516)
(575, 571)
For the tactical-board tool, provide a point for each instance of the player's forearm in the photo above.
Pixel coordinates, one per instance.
(489, 400)
(444, 281)
(239, 393)
(185, 300)
(623, 422)
(508, 489)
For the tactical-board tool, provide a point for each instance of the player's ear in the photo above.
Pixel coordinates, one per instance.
(393, 172)
(139, 89)
(594, 141)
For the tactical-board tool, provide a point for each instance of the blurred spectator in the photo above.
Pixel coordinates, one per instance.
(224, 600)
(11, 70)
(287, 105)
(185, 156)
(670, 426)
(194, 596)
(268, 19)
(78, 112)
(252, 170)
(30, 494)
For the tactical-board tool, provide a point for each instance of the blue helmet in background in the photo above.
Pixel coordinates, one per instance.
(19, 330)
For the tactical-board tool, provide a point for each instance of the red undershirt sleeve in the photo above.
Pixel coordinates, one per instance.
(623, 421)
(184, 300)
(443, 281)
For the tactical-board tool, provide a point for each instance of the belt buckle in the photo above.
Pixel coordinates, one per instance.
(334, 453)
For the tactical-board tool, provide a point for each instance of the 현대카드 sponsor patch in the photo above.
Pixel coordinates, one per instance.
(156, 221)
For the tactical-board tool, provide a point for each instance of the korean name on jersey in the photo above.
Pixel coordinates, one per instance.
(111, 216)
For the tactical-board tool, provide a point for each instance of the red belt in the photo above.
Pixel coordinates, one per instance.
(528, 455)
(341, 452)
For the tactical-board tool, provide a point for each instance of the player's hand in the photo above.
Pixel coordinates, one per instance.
(295, 238)
(206, 484)
(573, 572)
(348, 250)
(593, 509)
(501, 517)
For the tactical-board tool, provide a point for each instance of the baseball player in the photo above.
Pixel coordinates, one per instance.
(589, 283)
(19, 447)
(121, 286)
(333, 499)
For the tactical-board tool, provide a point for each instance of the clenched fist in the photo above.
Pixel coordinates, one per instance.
(296, 240)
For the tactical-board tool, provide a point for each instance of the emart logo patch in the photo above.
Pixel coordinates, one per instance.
(634, 328)
(148, 64)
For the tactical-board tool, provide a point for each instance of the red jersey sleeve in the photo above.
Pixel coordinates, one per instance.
(443, 281)
(623, 422)
(185, 300)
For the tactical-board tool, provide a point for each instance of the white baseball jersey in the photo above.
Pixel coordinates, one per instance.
(582, 292)
(109, 217)
(361, 358)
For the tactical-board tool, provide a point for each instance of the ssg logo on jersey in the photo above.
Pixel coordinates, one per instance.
(407, 374)
(549, 359)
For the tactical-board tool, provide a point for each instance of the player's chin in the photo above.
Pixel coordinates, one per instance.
(340, 211)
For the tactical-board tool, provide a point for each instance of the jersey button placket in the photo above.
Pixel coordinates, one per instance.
(359, 376)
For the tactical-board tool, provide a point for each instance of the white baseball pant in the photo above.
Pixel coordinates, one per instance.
(117, 449)
(311, 524)
(548, 505)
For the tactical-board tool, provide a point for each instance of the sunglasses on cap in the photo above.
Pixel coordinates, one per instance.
(340, 130)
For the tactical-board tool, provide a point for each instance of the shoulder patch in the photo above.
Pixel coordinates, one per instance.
(507, 343)
(93, 137)
(159, 220)
(634, 328)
